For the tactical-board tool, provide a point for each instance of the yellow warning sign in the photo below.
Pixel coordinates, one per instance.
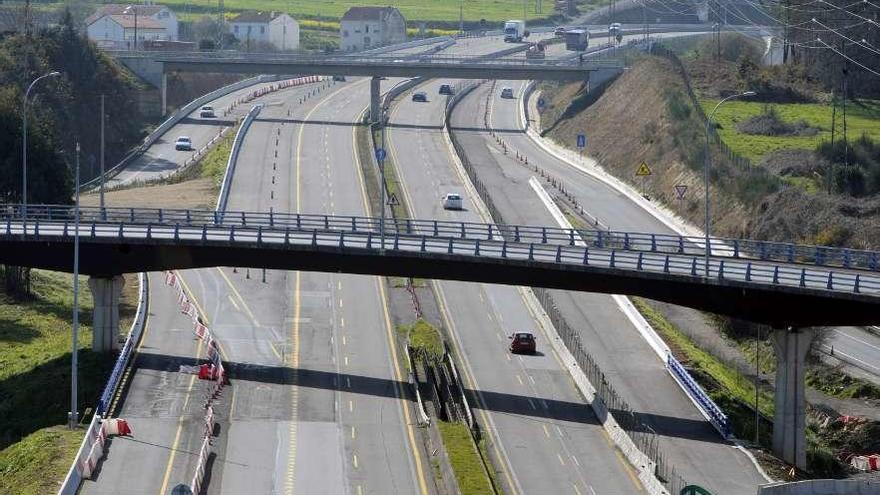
(643, 170)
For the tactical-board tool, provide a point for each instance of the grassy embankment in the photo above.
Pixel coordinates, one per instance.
(863, 117)
(735, 394)
(35, 340)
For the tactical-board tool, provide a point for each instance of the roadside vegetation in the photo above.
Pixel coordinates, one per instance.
(465, 459)
(39, 462)
(423, 336)
(735, 394)
(35, 340)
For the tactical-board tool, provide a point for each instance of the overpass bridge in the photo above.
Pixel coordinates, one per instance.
(374, 66)
(790, 287)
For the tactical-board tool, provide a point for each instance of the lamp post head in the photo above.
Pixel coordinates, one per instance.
(749, 93)
(53, 73)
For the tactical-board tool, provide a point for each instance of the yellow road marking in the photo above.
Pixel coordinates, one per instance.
(189, 388)
(420, 474)
(232, 300)
(354, 460)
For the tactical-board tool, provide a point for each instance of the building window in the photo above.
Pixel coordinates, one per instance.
(366, 41)
(262, 29)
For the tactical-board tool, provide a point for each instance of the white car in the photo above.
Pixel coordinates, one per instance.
(452, 201)
(507, 92)
(183, 143)
(207, 112)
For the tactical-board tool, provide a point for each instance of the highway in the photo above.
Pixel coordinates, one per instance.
(545, 436)
(162, 159)
(636, 372)
(858, 349)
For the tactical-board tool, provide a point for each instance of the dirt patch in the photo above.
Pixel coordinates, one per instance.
(193, 194)
(799, 163)
(769, 124)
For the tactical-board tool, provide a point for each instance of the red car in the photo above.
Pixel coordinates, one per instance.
(522, 342)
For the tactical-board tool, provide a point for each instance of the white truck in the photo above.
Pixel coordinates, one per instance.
(515, 31)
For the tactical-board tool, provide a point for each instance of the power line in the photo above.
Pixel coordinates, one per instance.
(848, 58)
(844, 36)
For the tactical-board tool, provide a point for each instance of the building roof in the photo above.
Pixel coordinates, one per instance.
(127, 21)
(257, 17)
(120, 9)
(368, 13)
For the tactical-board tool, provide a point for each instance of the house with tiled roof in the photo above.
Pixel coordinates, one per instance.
(116, 26)
(256, 28)
(362, 28)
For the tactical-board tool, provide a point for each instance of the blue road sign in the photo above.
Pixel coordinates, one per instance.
(541, 102)
(582, 141)
(380, 154)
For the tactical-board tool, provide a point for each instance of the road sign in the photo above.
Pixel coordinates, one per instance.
(541, 103)
(680, 189)
(643, 170)
(582, 141)
(380, 154)
(392, 200)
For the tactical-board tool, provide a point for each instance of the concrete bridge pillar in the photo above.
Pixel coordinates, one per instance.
(790, 416)
(105, 321)
(375, 104)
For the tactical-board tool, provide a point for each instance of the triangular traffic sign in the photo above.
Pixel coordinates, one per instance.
(392, 200)
(643, 170)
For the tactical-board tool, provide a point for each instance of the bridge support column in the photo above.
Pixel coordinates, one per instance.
(105, 321)
(375, 103)
(790, 416)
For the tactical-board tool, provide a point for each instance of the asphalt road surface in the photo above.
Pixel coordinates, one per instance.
(635, 371)
(545, 436)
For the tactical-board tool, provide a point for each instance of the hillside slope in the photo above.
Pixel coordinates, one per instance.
(647, 115)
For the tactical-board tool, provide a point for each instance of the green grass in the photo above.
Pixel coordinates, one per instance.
(737, 385)
(213, 165)
(863, 117)
(838, 384)
(35, 345)
(39, 462)
(465, 459)
(423, 335)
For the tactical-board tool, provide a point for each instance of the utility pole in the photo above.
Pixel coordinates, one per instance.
(73, 416)
(833, 129)
(103, 116)
(460, 16)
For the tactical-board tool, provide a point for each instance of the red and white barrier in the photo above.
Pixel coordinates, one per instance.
(99, 434)
(208, 371)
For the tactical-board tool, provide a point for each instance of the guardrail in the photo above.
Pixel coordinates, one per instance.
(716, 416)
(648, 244)
(223, 197)
(75, 474)
(171, 121)
(409, 44)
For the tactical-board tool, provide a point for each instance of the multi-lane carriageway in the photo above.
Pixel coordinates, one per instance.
(316, 403)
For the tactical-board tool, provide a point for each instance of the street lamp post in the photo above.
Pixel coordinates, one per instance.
(133, 9)
(73, 416)
(708, 163)
(24, 145)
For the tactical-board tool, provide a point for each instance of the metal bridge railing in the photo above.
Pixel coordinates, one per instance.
(729, 255)
(425, 238)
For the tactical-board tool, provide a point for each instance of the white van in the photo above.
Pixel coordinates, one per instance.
(452, 201)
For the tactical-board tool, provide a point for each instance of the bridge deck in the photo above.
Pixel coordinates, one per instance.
(800, 290)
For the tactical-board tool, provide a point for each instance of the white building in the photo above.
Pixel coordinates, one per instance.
(255, 28)
(118, 32)
(368, 27)
(152, 17)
